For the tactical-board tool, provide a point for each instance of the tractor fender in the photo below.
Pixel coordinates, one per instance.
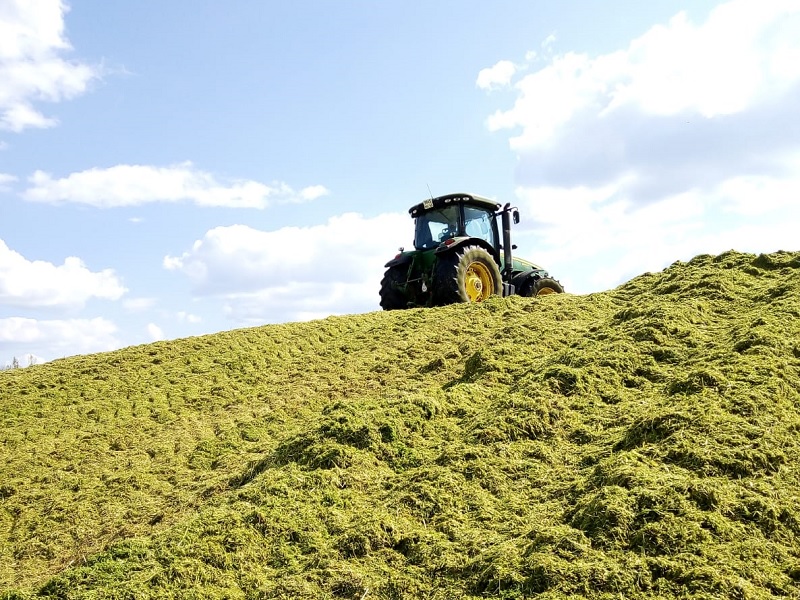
(466, 241)
(519, 280)
(400, 259)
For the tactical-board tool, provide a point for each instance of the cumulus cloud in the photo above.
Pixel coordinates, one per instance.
(294, 272)
(186, 317)
(56, 338)
(37, 283)
(496, 76)
(154, 332)
(134, 185)
(5, 181)
(681, 142)
(746, 52)
(33, 67)
(312, 192)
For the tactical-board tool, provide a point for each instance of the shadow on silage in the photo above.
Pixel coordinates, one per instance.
(643, 443)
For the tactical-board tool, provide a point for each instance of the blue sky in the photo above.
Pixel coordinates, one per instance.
(179, 168)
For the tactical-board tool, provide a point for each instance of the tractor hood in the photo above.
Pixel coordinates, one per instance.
(520, 264)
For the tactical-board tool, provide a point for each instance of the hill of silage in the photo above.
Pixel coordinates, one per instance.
(643, 443)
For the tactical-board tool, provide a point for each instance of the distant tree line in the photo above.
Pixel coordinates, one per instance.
(15, 363)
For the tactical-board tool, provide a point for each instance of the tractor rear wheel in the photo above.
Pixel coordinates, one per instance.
(392, 298)
(541, 287)
(466, 275)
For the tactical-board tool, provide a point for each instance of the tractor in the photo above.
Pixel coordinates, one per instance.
(462, 253)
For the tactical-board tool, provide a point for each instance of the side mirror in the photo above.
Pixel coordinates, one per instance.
(515, 215)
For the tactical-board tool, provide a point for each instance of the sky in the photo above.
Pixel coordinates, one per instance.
(177, 168)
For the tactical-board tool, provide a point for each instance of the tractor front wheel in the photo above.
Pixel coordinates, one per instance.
(467, 275)
(541, 287)
(392, 297)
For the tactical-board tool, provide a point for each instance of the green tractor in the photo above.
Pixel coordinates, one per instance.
(460, 256)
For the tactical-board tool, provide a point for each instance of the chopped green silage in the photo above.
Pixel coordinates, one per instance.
(637, 443)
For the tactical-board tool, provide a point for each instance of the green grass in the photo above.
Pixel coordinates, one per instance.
(639, 443)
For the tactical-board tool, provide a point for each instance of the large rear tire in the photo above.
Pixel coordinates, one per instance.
(466, 275)
(541, 287)
(392, 298)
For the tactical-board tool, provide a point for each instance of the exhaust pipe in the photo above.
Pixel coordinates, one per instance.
(508, 289)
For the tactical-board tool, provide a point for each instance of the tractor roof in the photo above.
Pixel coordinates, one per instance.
(441, 201)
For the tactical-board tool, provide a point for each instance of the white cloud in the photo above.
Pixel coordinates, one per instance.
(17, 118)
(134, 185)
(497, 76)
(548, 99)
(746, 52)
(305, 301)
(154, 332)
(313, 192)
(294, 272)
(39, 283)
(683, 142)
(741, 54)
(185, 317)
(138, 304)
(57, 338)
(595, 239)
(5, 181)
(753, 196)
(32, 63)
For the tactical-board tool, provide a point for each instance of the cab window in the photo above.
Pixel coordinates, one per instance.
(478, 223)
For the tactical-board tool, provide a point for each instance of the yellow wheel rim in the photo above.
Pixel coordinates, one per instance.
(545, 290)
(478, 282)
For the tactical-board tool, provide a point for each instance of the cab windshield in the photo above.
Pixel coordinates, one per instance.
(435, 226)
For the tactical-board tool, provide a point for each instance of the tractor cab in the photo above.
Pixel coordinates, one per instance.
(455, 216)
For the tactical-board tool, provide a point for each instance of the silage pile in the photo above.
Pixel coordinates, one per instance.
(638, 443)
